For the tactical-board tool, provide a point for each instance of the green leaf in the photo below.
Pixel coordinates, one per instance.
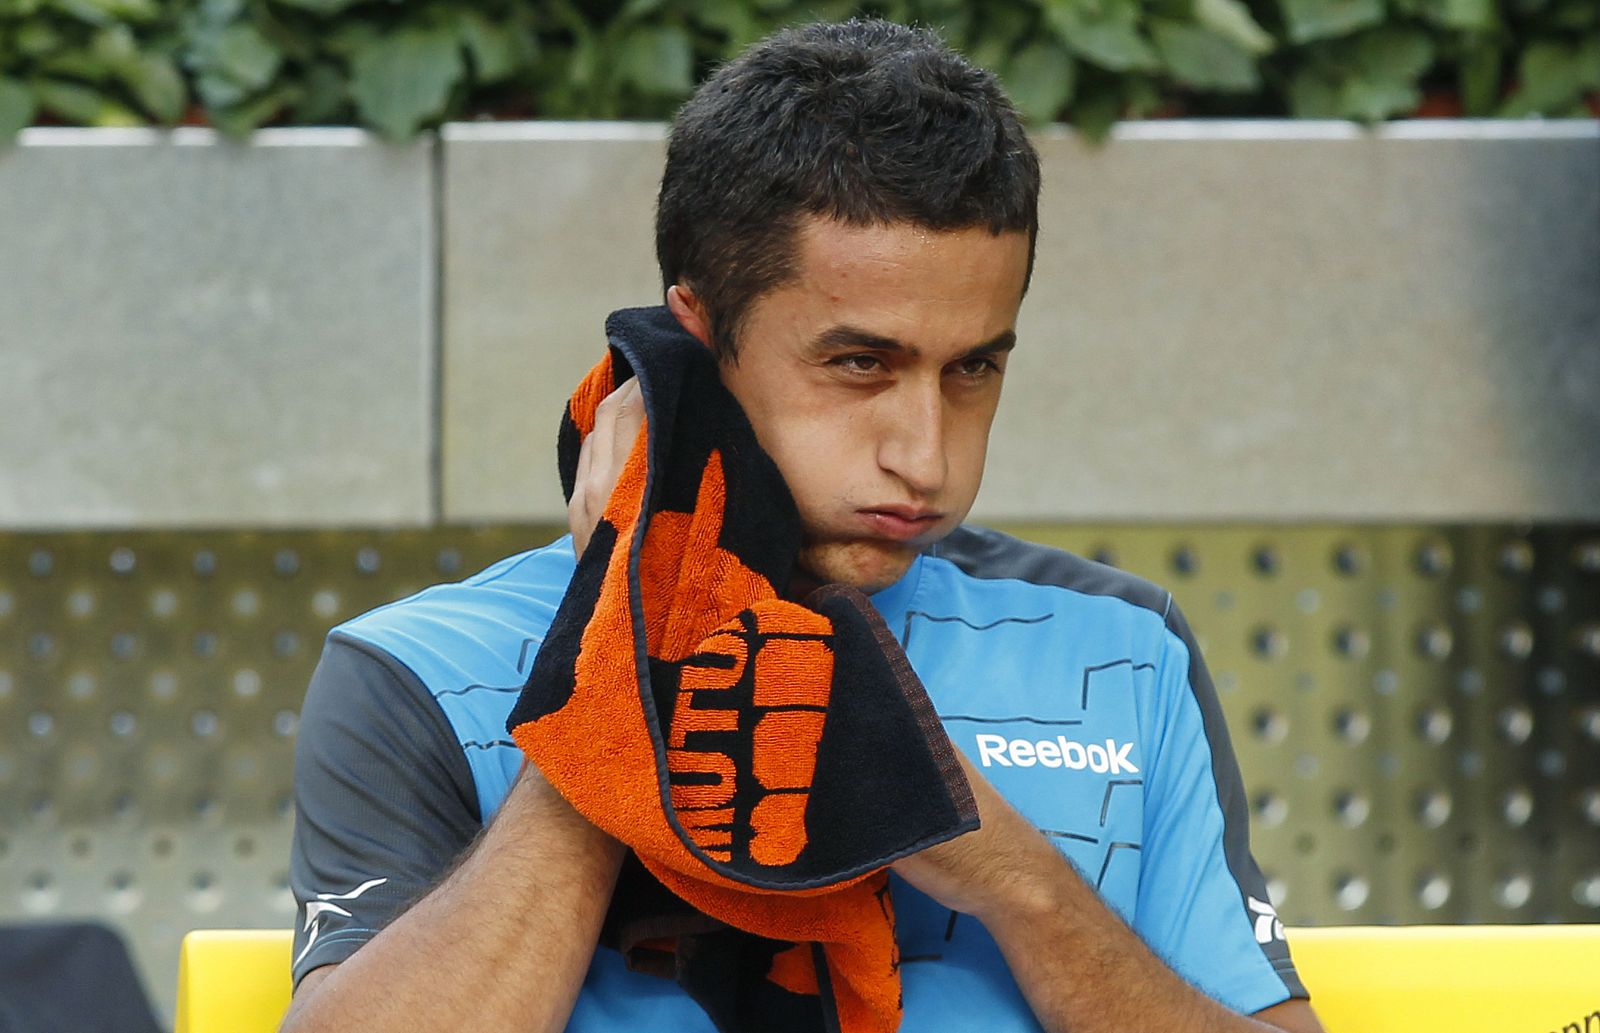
(940, 8)
(83, 105)
(639, 9)
(325, 95)
(1106, 34)
(218, 91)
(954, 26)
(1392, 53)
(242, 119)
(1468, 15)
(322, 7)
(1008, 25)
(114, 47)
(1097, 111)
(582, 60)
(1204, 60)
(290, 38)
(17, 107)
(732, 18)
(350, 38)
(37, 38)
(1176, 10)
(1372, 100)
(991, 53)
(131, 10)
(1372, 76)
(76, 64)
(221, 12)
(404, 79)
(1589, 62)
(658, 61)
(1231, 19)
(107, 12)
(157, 86)
(83, 10)
(1553, 76)
(244, 55)
(1309, 20)
(1040, 81)
(894, 10)
(1141, 96)
(1313, 94)
(1479, 78)
(497, 49)
(1575, 14)
(997, 36)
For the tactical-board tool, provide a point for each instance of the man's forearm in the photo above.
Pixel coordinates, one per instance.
(1079, 966)
(506, 938)
(1082, 969)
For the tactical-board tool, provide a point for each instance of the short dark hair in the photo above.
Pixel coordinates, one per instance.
(865, 121)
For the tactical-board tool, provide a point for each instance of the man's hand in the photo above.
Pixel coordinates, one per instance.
(1079, 967)
(601, 458)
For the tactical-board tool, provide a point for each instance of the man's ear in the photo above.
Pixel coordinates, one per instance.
(686, 306)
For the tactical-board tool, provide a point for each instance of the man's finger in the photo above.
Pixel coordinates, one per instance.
(578, 519)
(601, 458)
(630, 417)
(600, 445)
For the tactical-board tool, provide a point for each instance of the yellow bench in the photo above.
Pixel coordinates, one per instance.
(1420, 979)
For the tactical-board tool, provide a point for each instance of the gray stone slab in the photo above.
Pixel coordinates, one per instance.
(548, 227)
(200, 333)
(1282, 321)
(1311, 322)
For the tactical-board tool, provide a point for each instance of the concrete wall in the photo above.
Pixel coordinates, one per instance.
(1283, 321)
(199, 333)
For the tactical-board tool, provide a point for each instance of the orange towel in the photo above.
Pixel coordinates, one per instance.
(765, 760)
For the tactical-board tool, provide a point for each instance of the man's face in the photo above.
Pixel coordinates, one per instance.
(872, 377)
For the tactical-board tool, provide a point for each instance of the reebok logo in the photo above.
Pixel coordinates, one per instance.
(1059, 752)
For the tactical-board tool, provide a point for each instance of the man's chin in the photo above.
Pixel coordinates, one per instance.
(865, 565)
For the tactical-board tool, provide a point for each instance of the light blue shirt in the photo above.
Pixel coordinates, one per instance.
(1075, 689)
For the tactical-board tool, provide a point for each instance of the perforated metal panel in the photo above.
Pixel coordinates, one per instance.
(149, 690)
(1416, 710)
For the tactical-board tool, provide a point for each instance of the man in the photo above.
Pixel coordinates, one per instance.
(847, 220)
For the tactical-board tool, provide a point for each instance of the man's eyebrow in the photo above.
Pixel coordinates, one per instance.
(1003, 342)
(845, 338)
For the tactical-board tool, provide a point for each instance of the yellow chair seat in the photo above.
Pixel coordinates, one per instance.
(1421, 979)
(1463, 979)
(234, 980)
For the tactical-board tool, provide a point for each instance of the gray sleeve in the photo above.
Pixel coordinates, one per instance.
(384, 801)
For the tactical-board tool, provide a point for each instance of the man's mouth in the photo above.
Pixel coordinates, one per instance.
(899, 523)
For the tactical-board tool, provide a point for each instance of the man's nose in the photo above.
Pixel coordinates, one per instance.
(912, 443)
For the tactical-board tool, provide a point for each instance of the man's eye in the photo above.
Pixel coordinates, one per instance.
(859, 363)
(979, 366)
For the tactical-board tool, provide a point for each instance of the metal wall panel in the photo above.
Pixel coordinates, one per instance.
(1284, 321)
(1415, 708)
(202, 333)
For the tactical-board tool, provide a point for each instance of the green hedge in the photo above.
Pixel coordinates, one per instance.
(400, 66)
